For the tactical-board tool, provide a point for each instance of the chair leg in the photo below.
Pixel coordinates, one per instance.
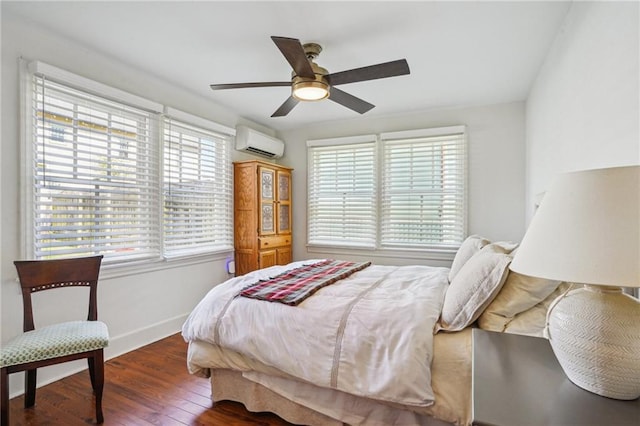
(30, 388)
(4, 401)
(98, 365)
(92, 372)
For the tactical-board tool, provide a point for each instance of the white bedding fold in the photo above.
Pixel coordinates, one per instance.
(370, 334)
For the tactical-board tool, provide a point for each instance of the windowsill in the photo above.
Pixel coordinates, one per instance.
(142, 267)
(419, 255)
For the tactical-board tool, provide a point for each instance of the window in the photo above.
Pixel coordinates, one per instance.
(423, 189)
(108, 174)
(197, 189)
(342, 193)
(400, 190)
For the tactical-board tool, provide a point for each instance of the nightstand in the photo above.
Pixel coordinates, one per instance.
(517, 381)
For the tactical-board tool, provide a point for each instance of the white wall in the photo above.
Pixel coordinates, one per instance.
(582, 112)
(496, 169)
(138, 308)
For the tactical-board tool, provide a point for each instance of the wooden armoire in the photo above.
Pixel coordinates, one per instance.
(262, 215)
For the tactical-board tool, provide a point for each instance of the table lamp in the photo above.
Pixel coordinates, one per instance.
(586, 232)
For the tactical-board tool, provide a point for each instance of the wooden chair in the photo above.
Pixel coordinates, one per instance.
(56, 343)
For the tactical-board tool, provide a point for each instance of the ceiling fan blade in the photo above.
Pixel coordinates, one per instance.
(286, 107)
(294, 54)
(372, 72)
(249, 85)
(349, 101)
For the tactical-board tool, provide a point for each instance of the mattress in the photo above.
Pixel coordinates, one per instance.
(263, 388)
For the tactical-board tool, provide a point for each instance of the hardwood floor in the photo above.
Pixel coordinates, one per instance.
(149, 386)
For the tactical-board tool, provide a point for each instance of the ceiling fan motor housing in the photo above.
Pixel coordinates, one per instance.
(312, 50)
(317, 84)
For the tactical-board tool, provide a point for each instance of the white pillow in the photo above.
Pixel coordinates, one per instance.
(470, 246)
(518, 294)
(473, 288)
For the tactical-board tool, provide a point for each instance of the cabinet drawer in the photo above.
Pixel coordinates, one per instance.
(277, 241)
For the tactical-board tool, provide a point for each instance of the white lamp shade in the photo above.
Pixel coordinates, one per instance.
(586, 230)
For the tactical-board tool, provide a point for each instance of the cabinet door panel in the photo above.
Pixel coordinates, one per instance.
(267, 190)
(267, 219)
(284, 255)
(284, 186)
(283, 202)
(284, 218)
(267, 258)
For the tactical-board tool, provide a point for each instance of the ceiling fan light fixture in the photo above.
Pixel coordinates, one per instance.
(310, 90)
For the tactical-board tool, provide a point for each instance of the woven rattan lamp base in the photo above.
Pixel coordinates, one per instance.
(595, 334)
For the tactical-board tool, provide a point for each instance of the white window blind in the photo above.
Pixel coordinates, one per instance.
(342, 195)
(423, 200)
(95, 186)
(106, 173)
(400, 190)
(197, 188)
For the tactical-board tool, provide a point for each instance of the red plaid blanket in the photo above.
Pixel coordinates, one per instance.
(293, 286)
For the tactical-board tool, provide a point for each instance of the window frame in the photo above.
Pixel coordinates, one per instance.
(27, 191)
(433, 252)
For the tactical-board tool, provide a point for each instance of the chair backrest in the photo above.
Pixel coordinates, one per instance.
(39, 275)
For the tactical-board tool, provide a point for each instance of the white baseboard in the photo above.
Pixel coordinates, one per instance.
(133, 340)
(118, 345)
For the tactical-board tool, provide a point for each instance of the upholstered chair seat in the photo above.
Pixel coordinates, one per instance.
(55, 341)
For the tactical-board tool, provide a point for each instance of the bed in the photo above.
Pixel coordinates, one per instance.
(385, 345)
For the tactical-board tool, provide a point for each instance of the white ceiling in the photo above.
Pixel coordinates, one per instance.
(459, 53)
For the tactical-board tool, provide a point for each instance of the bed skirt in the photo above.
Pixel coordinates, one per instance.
(231, 385)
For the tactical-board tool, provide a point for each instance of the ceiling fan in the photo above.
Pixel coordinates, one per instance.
(310, 82)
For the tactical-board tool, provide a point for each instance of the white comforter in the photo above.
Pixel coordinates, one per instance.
(369, 335)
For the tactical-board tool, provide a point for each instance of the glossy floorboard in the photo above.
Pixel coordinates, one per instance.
(149, 386)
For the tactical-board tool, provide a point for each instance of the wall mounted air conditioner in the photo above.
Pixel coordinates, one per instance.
(250, 140)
